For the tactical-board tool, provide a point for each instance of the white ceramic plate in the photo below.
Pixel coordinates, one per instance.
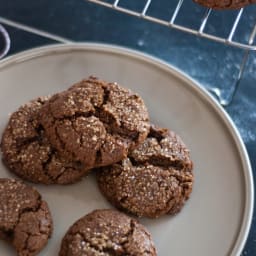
(216, 220)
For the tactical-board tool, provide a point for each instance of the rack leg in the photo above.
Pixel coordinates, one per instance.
(218, 93)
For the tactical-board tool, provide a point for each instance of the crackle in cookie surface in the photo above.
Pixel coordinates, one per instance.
(155, 179)
(28, 153)
(107, 233)
(95, 122)
(25, 219)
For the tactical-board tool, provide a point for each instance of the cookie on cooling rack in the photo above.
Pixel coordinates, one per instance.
(95, 122)
(107, 232)
(28, 153)
(225, 4)
(155, 179)
(25, 219)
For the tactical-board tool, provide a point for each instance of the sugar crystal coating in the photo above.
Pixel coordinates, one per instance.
(28, 153)
(225, 4)
(107, 233)
(155, 179)
(25, 219)
(95, 122)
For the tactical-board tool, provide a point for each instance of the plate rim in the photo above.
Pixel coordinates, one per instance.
(245, 225)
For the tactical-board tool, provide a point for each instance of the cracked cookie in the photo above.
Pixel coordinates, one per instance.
(225, 4)
(25, 219)
(28, 153)
(95, 123)
(107, 233)
(155, 179)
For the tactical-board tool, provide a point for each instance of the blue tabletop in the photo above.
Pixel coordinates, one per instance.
(212, 64)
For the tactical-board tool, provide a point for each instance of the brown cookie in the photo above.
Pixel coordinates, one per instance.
(155, 179)
(225, 4)
(28, 153)
(107, 233)
(95, 122)
(25, 219)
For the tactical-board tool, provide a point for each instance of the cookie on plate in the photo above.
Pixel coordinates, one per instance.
(95, 122)
(28, 153)
(106, 233)
(155, 179)
(225, 4)
(25, 219)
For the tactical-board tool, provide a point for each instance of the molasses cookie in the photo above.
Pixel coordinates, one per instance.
(155, 179)
(28, 153)
(107, 233)
(225, 4)
(25, 219)
(95, 122)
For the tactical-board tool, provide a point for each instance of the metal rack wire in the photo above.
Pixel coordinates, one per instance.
(229, 40)
(248, 46)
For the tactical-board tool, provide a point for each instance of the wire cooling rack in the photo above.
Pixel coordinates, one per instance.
(247, 45)
(229, 40)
